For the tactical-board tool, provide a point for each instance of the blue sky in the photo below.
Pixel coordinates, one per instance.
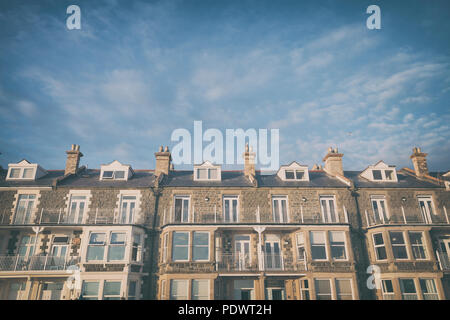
(137, 70)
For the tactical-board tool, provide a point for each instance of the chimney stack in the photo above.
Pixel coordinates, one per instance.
(333, 162)
(73, 160)
(420, 162)
(163, 161)
(249, 161)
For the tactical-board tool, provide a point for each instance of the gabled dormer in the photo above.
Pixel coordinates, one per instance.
(115, 171)
(380, 172)
(447, 180)
(207, 172)
(293, 172)
(24, 170)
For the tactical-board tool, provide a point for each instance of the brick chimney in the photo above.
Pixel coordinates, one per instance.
(163, 161)
(249, 161)
(420, 162)
(73, 160)
(333, 162)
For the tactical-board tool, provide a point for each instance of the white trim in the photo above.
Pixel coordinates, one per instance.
(294, 166)
(114, 167)
(208, 166)
(382, 167)
(37, 173)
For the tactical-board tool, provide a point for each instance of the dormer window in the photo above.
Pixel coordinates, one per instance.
(115, 171)
(380, 172)
(25, 170)
(293, 172)
(207, 171)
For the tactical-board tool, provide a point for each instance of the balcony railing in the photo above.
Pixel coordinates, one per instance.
(36, 263)
(444, 261)
(213, 215)
(402, 217)
(62, 216)
(234, 262)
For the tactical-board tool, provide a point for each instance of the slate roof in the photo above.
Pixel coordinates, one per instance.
(184, 178)
(45, 181)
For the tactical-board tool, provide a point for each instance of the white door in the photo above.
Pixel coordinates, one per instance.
(230, 209)
(328, 208)
(279, 205)
(242, 252)
(272, 253)
(379, 210)
(24, 209)
(76, 209)
(426, 209)
(181, 209)
(127, 209)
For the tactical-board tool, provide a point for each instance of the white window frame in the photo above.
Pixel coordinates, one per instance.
(230, 198)
(22, 173)
(378, 199)
(295, 171)
(410, 294)
(189, 244)
(423, 245)
(385, 293)
(436, 293)
(351, 287)
(111, 245)
(193, 245)
(187, 288)
(279, 198)
(427, 215)
(208, 289)
(327, 209)
(316, 287)
(405, 244)
(188, 198)
(376, 246)
(207, 166)
(165, 247)
(299, 245)
(325, 236)
(345, 245)
(98, 291)
(112, 296)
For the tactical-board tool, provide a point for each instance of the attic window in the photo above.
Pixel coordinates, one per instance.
(14, 173)
(21, 173)
(207, 171)
(294, 174)
(25, 170)
(389, 174)
(114, 175)
(377, 175)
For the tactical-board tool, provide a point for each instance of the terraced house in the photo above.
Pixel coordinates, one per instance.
(297, 234)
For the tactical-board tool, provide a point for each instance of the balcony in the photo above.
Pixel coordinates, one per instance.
(19, 263)
(402, 217)
(212, 215)
(60, 216)
(232, 262)
(444, 261)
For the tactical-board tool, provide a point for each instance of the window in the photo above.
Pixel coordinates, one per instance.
(14, 173)
(417, 245)
(165, 247)
(387, 289)
(136, 250)
(96, 247)
(301, 256)
(200, 290)
(181, 209)
(428, 288)
(28, 173)
(207, 174)
(132, 286)
(377, 175)
(328, 208)
(398, 245)
(90, 290)
(337, 245)
(294, 174)
(344, 289)
(323, 289)
(180, 247)
(380, 248)
(200, 249)
(114, 175)
(230, 208)
(318, 246)
(117, 246)
(426, 209)
(279, 205)
(127, 209)
(389, 174)
(408, 289)
(304, 290)
(178, 289)
(111, 290)
(76, 209)
(26, 246)
(24, 209)
(379, 209)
